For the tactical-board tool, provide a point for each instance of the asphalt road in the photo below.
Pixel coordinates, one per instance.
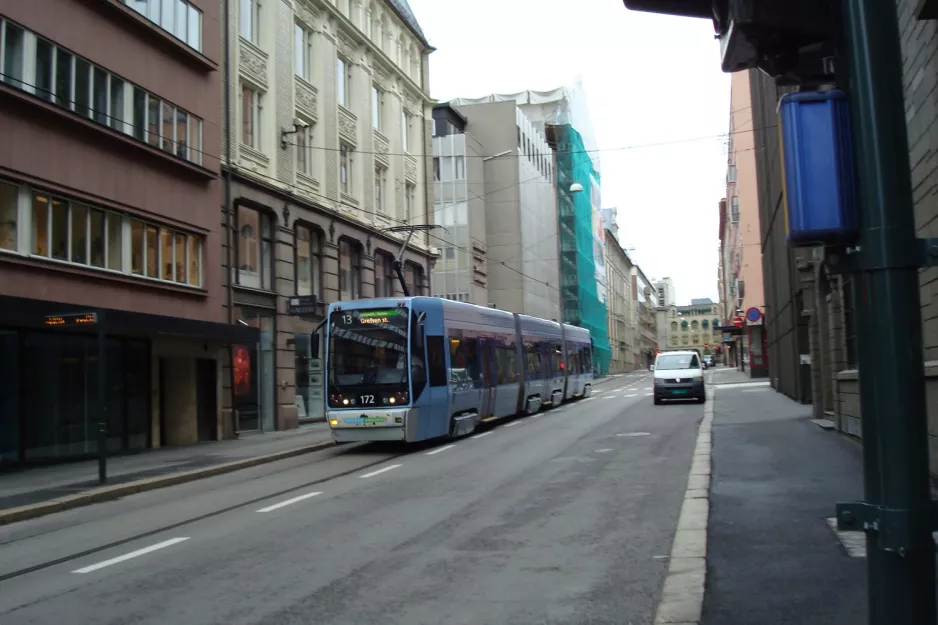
(566, 517)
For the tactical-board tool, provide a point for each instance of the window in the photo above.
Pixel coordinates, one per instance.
(250, 20)
(436, 168)
(460, 167)
(413, 275)
(304, 150)
(250, 117)
(731, 173)
(9, 198)
(385, 275)
(350, 267)
(405, 130)
(303, 52)
(82, 234)
(734, 215)
(343, 76)
(410, 199)
(345, 168)
(308, 261)
(177, 17)
(14, 55)
(381, 176)
(377, 108)
(436, 360)
(255, 242)
(91, 91)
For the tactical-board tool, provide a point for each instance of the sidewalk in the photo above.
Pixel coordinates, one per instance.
(34, 492)
(772, 558)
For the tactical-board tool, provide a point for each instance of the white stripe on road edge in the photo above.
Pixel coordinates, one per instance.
(512, 424)
(436, 451)
(533, 416)
(683, 591)
(489, 432)
(602, 451)
(132, 554)
(288, 502)
(380, 471)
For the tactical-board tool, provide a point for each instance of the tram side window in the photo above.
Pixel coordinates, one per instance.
(437, 360)
(505, 354)
(588, 357)
(532, 359)
(418, 368)
(464, 360)
(556, 359)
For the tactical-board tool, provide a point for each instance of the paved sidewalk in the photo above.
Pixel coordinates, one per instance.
(772, 557)
(732, 375)
(33, 492)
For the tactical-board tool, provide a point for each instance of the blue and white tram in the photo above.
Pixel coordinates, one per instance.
(418, 368)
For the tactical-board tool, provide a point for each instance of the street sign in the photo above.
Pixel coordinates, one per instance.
(738, 322)
(753, 315)
(74, 319)
(302, 305)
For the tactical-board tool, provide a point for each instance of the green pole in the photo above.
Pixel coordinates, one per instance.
(900, 551)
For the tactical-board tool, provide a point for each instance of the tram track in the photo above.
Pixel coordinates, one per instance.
(200, 517)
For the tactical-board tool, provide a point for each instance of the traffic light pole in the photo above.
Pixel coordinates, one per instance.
(897, 514)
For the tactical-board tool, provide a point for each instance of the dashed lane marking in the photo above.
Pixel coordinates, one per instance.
(634, 434)
(282, 504)
(132, 554)
(385, 469)
(632, 395)
(487, 433)
(513, 424)
(441, 449)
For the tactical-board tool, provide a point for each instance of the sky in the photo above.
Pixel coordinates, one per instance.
(658, 102)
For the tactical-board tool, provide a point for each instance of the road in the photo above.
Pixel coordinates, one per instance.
(564, 517)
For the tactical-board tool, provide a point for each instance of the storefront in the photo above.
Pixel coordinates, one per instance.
(161, 381)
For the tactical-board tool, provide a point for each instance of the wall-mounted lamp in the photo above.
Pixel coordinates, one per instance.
(297, 125)
(576, 187)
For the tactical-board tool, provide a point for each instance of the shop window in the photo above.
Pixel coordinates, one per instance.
(350, 266)
(308, 261)
(254, 249)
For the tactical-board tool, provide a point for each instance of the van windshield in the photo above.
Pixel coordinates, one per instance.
(673, 362)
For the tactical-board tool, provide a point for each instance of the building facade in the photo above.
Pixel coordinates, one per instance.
(742, 243)
(695, 326)
(329, 130)
(645, 297)
(622, 325)
(506, 238)
(666, 293)
(109, 191)
(461, 273)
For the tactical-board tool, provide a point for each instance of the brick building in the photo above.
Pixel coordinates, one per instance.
(109, 190)
(809, 313)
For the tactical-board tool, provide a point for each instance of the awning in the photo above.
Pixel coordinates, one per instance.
(31, 313)
(730, 330)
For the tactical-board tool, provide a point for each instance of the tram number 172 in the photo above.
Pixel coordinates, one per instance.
(367, 399)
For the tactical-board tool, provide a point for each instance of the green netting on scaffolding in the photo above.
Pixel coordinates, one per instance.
(582, 274)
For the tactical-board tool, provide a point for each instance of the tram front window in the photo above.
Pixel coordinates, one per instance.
(368, 358)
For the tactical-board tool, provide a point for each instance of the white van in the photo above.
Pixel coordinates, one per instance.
(679, 375)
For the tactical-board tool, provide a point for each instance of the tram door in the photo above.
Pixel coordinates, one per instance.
(489, 377)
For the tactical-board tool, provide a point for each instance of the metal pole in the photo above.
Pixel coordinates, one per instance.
(102, 401)
(900, 551)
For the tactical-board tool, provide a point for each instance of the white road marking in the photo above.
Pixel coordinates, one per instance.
(632, 395)
(634, 434)
(648, 394)
(610, 396)
(512, 424)
(602, 451)
(489, 432)
(132, 554)
(647, 389)
(288, 502)
(589, 398)
(755, 390)
(380, 471)
(436, 451)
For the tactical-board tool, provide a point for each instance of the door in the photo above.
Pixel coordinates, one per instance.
(206, 399)
(489, 377)
(164, 423)
(9, 400)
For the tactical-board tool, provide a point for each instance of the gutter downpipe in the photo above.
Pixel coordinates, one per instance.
(226, 186)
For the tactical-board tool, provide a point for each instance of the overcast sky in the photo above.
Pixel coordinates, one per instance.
(659, 106)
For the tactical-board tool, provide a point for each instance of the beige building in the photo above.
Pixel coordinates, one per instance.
(741, 251)
(330, 146)
(619, 306)
(694, 326)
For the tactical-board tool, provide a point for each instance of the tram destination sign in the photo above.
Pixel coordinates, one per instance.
(368, 317)
(74, 319)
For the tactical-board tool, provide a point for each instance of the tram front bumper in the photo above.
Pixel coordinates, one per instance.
(352, 426)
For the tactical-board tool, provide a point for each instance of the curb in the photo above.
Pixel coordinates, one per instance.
(109, 493)
(683, 592)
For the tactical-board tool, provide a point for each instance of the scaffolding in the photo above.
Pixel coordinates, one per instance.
(582, 294)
